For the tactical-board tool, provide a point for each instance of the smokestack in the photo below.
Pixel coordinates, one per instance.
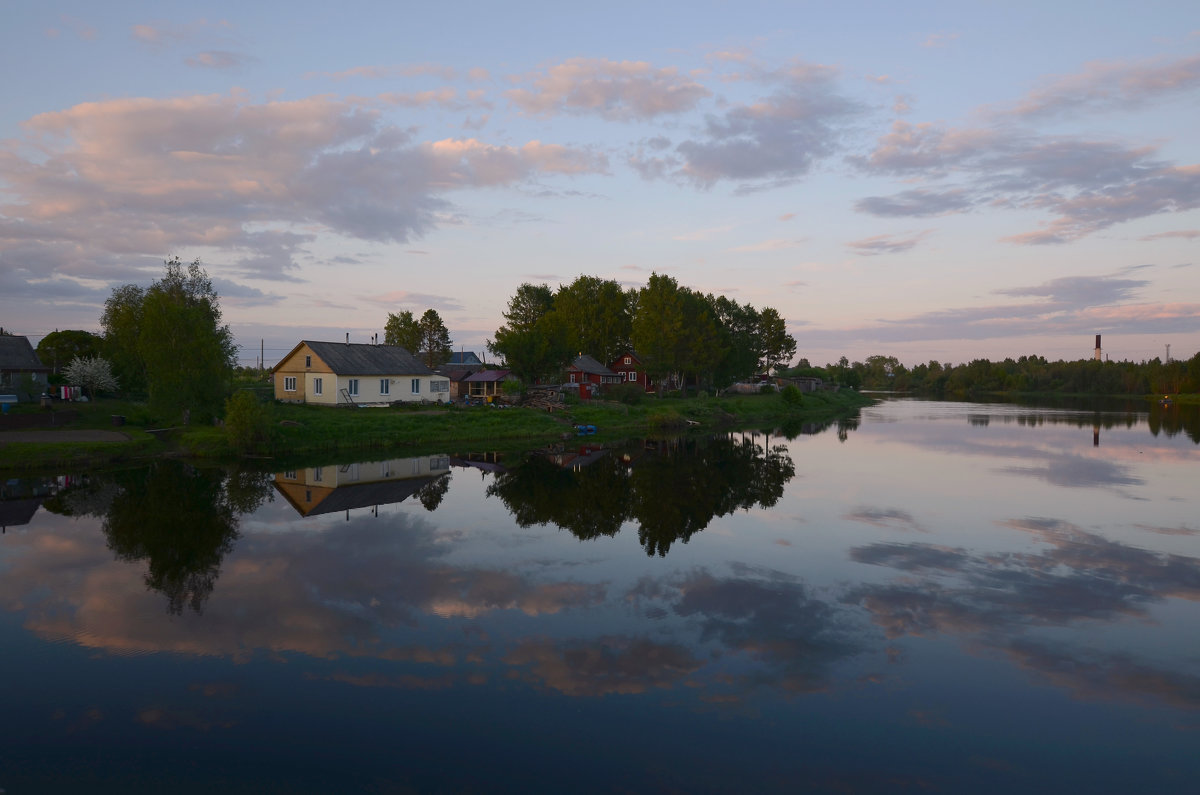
(347, 337)
(1097, 355)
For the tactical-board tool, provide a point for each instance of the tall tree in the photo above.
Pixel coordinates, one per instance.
(436, 345)
(658, 327)
(187, 353)
(404, 331)
(122, 324)
(778, 347)
(598, 316)
(739, 338)
(532, 342)
(58, 348)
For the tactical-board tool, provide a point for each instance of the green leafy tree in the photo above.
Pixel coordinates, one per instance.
(532, 341)
(778, 347)
(598, 316)
(404, 331)
(738, 330)
(171, 336)
(436, 345)
(658, 327)
(58, 348)
(122, 324)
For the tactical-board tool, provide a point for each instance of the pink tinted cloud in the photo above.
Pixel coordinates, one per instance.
(106, 180)
(611, 89)
(1106, 85)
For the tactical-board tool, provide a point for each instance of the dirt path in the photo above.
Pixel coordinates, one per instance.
(63, 436)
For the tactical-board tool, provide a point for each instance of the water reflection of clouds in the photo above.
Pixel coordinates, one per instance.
(1078, 576)
(885, 517)
(322, 594)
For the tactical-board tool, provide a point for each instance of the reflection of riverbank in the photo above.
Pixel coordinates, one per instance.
(366, 484)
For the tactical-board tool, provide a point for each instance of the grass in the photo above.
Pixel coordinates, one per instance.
(298, 431)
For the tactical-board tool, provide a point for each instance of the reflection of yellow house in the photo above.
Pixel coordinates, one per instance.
(330, 489)
(336, 373)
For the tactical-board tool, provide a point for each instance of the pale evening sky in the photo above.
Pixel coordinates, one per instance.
(941, 181)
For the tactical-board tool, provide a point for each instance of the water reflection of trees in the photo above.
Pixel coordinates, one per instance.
(180, 519)
(671, 489)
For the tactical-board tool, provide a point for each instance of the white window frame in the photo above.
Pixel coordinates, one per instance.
(416, 386)
(352, 387)
(384, 386)
(628, 360)
(317, 386)
(289, 383)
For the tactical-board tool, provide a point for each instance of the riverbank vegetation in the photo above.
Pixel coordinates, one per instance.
(278, 431)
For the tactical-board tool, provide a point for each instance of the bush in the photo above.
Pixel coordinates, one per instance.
(766, 389)
(247, 421)
(628, 393)
(512, 389)
(791, 395)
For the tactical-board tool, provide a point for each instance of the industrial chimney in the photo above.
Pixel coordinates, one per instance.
(348, 339)
(1097, 354)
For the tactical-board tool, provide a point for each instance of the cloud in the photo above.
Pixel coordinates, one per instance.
(1064, 307)
(916, 203)
(81, 29)
(886, 244)
(778, 138)
(1087, 185)
(161, 34)
(1185, 234)
(935, 40)
(405, 299)
(392, 71)
(614, 90)
(219, 59)
(1109, 85)
(777, 244)
(100, 182)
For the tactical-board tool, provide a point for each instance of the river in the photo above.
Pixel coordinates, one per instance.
(930, 597)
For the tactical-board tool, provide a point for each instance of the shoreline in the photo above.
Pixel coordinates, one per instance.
(302, 433)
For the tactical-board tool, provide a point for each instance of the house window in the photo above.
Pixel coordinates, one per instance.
(628, 360)
(439, 386)
(290, 474)
(289, 383)
(416, 386)
(383, 386)
(318, 474)
(316, 386)
(352, 387)
(572, 378)
(308, 361)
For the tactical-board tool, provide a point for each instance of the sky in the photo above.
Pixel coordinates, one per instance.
(932, 180)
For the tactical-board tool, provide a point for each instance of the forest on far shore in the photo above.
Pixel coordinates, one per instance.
(1027, 374)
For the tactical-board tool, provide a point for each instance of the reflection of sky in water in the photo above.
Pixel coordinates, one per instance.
(937, 601)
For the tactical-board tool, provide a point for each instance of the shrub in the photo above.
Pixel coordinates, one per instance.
(628, 393)
(791, 395)
(247, 421)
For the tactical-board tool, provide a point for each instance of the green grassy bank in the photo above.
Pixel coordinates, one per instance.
(296, 432)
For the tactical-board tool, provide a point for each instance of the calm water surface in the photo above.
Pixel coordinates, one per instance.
(935, 597)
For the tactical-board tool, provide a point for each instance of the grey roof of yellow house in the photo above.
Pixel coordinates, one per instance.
(361, 359)
(17, 355)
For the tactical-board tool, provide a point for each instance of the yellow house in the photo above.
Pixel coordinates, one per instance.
(337, 373)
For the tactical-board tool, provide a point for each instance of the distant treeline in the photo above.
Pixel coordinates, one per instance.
(1026, 374)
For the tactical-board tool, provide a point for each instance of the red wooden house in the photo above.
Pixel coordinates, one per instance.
(629, 367)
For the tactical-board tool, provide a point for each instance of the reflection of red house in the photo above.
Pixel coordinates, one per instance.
(630, 369)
